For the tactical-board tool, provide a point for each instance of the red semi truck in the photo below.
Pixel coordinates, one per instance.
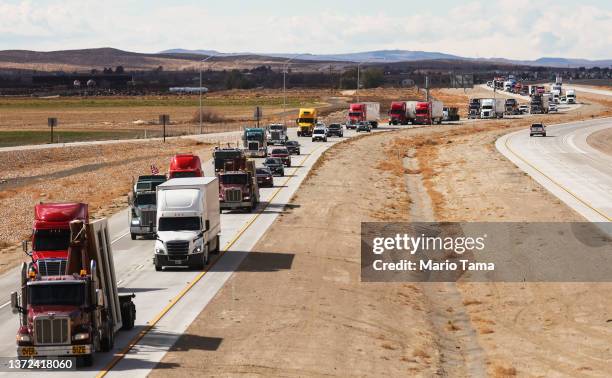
(185, 165)
(363, 112)
(51, 235)
(78, 312)
(402, 112)
(429, 112)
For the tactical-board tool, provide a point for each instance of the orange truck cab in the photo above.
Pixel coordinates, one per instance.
(185, 165)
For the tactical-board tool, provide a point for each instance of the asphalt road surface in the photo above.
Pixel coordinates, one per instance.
(566, 165)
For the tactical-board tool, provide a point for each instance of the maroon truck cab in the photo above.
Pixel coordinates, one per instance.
(423, 113)
(397, 113)
(357, 113)
(51, 234)
(185, 165)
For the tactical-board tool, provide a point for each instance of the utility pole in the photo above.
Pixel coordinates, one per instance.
(285, 67)
(357, 92)
(52, 122)
(200, 89)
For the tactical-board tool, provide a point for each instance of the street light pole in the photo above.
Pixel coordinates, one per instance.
(200, 89)
(285, 66)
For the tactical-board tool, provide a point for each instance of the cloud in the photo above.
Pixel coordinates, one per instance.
(520, 29)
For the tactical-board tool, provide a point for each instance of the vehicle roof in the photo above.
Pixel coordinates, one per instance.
(187, 181)
(183, 161)
(61, 212)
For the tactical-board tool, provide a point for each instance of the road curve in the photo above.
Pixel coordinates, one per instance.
(566, 165)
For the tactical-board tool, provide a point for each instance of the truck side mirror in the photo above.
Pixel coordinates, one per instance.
(207, 225)
(24, 246)
(296, 121)
(14, 302)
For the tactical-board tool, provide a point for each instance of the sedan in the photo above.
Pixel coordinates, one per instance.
(283, 154)
(275, 165)
(335, 129)
(364, 126)
(264, 177)
(293, 146)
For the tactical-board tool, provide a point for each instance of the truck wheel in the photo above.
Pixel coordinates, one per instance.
(133, 236)
(206, 255)
(217, 245)
(158, 266)
(128, 315)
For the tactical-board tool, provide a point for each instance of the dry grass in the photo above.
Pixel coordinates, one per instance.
(504, 372)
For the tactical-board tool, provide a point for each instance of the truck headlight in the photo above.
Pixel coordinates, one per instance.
(160, 251)
(81, 336)
(135, 221)
(197, 249)
(247, 197)
(23, 338)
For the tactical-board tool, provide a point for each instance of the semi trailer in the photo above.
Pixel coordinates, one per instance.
(364, 112)
(143, 205)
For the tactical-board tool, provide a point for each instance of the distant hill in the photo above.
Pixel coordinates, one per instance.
(410, 56)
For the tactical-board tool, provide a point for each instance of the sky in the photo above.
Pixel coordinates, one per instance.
(516, 29)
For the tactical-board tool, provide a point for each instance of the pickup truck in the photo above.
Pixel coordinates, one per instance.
(283, 154)
(335, 129)
(293, 146)
(364, 126)
(537, 129)
(319, 134)
(264, 177)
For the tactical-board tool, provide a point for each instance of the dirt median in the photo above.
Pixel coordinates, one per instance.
(313, 316)
(601, 140)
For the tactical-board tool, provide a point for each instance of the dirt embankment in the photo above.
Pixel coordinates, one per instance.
(601, 140)
(524, 328)
(98, 175)
(312, 316)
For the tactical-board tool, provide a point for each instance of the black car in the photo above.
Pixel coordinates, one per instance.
(275, 165)
(293, 146)
(264, 177)
(335, 129)
(364, 126)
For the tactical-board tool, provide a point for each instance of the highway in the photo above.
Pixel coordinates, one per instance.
(566, 165)
(167, 302)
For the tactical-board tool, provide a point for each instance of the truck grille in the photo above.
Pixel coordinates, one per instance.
(253, 146)
(177, 247)
(48, 267)
(147, 217)
(51, 330)
(276, 135)
(233, 195)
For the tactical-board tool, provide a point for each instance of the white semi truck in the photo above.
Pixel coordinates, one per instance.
(492, 107)
(570, 95)
(188, 222)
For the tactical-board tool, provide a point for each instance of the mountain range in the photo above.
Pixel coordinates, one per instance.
(393, 56)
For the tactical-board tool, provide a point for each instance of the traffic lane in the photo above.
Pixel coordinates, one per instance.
(154, 345)
(566, 165)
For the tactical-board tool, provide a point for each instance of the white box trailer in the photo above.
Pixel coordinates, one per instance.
(372, 113)
(411, 110)
(188, 222)
(492, 107)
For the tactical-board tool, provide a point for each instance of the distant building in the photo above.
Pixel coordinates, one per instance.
(188, 89)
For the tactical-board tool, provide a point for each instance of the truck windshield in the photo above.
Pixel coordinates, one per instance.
(487, 107)
(143, 199)
(305, 120)
(57, 294)
(276, 128)
(233, 179)
(51, 240)
(421, 111)
(227, 154)
(254, 136)
(279, 151)
(355, 114)
(179, 224)
(183, 174)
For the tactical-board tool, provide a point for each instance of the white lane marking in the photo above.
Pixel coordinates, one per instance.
(119, 237)
(6, 304)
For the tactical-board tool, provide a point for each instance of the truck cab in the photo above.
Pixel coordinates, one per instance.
(51, 235)
(397, 113)
(238, 190)
(277, 134)
(77, 312)
(255, 142)
(143, 205)
(185, 165)
(229, 159)
(188, 222)
(306, 121)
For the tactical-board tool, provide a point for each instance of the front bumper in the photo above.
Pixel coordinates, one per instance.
(179, 259)
(255, 153)
(54, 350)
(234, 205)
(141, 230)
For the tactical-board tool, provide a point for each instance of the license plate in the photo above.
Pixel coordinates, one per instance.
(79, 349)
(28, 351)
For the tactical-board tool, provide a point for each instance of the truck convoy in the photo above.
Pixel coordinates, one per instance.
(255, 142)
(239, 189)
(78, 312)
(188, 222)
(450, 114)
(306, 121)
(364, 112)
(426, 113)
(539, 104)
(492, 108)
(185, 165)
(402, 112)
(51, 235)
(277, 134)
(143, 205)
